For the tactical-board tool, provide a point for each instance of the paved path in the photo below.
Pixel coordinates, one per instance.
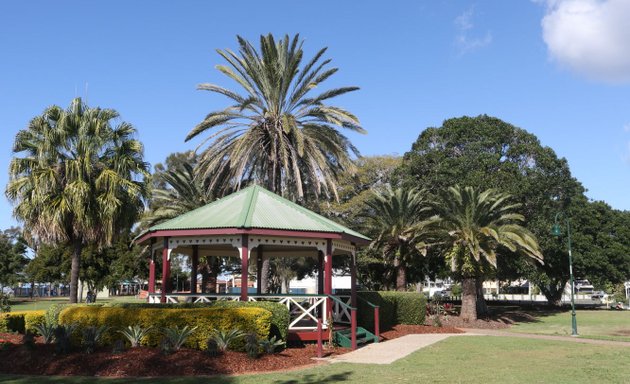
(387, 352)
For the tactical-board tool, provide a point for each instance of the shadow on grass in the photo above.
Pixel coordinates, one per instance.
(315, 378)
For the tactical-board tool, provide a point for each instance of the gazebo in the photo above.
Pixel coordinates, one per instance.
(253, 224)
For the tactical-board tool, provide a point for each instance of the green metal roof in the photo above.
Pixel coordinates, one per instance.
(254, 207)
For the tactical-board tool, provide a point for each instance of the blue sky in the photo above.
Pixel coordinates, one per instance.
(557, 68)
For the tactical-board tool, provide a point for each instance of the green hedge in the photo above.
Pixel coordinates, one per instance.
(254, 320)
(280, 317)
(395, 308)
(21, 321)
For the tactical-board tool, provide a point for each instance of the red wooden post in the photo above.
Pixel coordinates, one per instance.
(244, 265)
(377, 331)
(320, 343)
(353, 327)
(259, 266)
(194, 268)
(152, 274)
(166, 270)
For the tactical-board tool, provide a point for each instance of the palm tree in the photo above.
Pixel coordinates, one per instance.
(476, 225)
(76, 179)
(398, 218)
(277, 133)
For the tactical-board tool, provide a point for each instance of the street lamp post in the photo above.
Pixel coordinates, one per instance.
(557, 231)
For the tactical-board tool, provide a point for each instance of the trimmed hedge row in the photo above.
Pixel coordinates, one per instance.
(280, 317)
(249, 320)
(21, 321)
(395, 308)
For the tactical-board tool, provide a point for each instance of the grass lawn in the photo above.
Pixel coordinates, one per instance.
(465, 359)
(24, 304)
(593, 324)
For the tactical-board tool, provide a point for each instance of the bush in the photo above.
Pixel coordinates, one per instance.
(21, 322)
(395, 308)
(206, 320)
(52, 314)
(280, 317)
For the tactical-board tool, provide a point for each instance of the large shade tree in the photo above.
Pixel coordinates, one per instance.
(279, 129)
(476, 227)
(77, 178)
(398, 220)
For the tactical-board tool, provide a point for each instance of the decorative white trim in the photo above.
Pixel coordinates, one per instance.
(319, 244)
(343, 245)
(175, 242)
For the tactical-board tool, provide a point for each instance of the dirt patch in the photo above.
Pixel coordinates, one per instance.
(402, 330)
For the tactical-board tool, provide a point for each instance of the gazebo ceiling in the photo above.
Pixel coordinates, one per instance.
(249, 209)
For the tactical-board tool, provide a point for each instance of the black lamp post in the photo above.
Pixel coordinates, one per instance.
(556, 230)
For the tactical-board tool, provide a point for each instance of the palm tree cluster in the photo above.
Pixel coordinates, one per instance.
(77, 179)
(471, 227)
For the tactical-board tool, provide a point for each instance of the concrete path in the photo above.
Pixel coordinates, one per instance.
(386, 352)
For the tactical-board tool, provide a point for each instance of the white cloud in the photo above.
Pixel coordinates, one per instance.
(590, 36)
(465, 39)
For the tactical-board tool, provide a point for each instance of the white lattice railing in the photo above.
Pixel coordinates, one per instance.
(304, 310)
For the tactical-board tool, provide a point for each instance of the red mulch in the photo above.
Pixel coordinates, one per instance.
(144, 361)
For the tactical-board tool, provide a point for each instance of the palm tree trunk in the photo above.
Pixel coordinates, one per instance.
(469, 300)
(482, 306)
(401, 275)
(74, 270)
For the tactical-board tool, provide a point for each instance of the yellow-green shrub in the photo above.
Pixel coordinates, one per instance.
(254, 320)
(20, 321)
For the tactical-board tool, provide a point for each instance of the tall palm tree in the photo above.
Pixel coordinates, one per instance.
(476, 225)
(277, 132)
(77, 179)
(398, 219)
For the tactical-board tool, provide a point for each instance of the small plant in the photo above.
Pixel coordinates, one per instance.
(176, 337)
(225, 338)
(166, 347)
(271, 346)
(52, 314)
(63, 334)
(135, 334)
(47, 330)
(28, 339)
(92, 336)
(212, 348)
(252, 346)
(119, 347)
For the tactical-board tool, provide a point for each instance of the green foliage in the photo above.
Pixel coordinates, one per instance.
(271, 346)
(12, 258)
(204, 321)
(77, 179)
(252, 346)
(63, 338)
(21, 322)
(176, 337)
(394, 308)
(135, 334)
(5, 306)
(278, 130)
(92, 337)
(46, 330)
(51, 315)
(226, 339)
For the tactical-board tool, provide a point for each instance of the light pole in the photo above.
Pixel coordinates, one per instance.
(557, 231)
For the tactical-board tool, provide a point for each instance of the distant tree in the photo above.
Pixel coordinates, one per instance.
(476, 226)
(76, 179)
(485, 152)
(51, 264)
(12, 257)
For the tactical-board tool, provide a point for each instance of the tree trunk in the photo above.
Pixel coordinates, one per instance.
(264, 276)
(469, 300)
(203, 269)
(401, 275)
(482, 306)
(74, 271)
